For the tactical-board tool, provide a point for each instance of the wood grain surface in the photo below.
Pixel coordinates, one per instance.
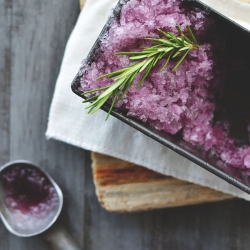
(125, 187)
(82, 2)
(33, 39)
(5, 76)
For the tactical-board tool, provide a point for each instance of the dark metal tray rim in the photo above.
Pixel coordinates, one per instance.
(135, 124)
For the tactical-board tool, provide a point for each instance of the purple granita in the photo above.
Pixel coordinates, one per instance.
(196, 99)
(30, 201)
(28, 190)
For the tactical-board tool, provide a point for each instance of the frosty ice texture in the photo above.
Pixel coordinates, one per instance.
(176, 102)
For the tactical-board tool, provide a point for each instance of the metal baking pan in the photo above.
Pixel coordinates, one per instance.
(232, 175)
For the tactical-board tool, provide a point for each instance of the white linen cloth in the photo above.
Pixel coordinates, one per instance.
(69, 121)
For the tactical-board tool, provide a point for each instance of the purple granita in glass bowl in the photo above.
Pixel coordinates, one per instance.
(29, 196)
(27, 189)
(205, 101)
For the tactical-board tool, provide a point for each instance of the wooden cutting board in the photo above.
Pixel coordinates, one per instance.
(125, 187)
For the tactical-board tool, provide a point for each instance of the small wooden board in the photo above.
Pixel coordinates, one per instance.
(125, 187)
(82, 2)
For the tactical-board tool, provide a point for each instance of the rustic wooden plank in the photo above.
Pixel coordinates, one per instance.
(224, 225)
(125, 187)
(5, 78)
(39, 34)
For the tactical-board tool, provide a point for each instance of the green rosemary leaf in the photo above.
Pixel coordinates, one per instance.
(113, 104)
(127, 85)
(145, 74)
(176, 54)
(94, 90)
(164, 33)
(152, 54)
(166, 51)
(163, 54)
(112, 74)
(172, 38)
(190, 32)
(162, 41)
(92, 104)
(149, 48)
(182, 40)
(98, 104)
(124, 91)
(180, 61)
(90, 99)
(187, 41)
(112, 88)
(131, 70)
(179, 30)
(170, 46)
(130, 53)
(184, 48)
(162, 49)
(146, 64)
(157, 58)
(131, 79)
(166, 63)
(136, 58)
(180, 43)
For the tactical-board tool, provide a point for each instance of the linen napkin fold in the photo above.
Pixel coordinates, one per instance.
(69, 121)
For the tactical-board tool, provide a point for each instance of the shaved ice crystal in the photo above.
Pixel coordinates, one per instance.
(182, 101)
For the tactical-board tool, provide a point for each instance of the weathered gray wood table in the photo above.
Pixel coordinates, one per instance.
(33, 37)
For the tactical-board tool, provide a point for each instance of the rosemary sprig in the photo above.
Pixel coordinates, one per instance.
(169, 45)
